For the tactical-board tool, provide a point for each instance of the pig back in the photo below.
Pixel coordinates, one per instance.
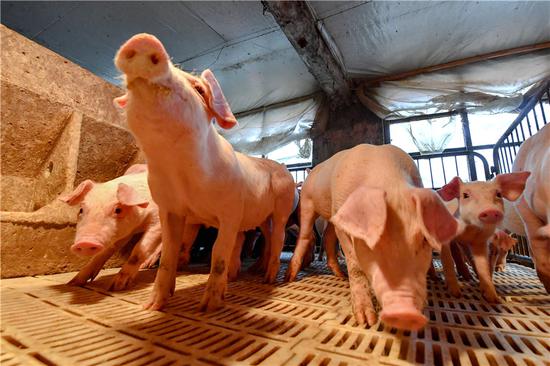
(534, 156)
(385, 167)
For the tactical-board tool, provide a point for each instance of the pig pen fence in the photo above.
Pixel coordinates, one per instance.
(531, 119)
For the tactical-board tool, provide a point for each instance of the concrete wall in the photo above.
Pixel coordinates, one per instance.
(59, 127)
(343, 128)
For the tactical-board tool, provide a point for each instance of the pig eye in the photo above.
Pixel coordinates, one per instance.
(81, 211)
(465, 195)
(118, 210)
(499, 195)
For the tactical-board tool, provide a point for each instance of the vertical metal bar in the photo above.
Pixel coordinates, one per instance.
(536, 119)
(431, 173)
(516, 142)
(528, 125)
(522, 131)
(508, 156)
(542, 108)
(456, 166)
(468, 143)
(443, 168)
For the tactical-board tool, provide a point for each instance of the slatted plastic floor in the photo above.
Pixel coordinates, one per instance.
(307, 322)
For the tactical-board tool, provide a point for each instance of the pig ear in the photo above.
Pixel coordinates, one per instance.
(438, 225)
(450, 190)
(121, 101)
(128, 196)
(76, 196)
(512, 184)
(216, 101)
(363, 215)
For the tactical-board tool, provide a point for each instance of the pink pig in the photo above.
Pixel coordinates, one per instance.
(387, 226)
(195, 176)
(534, 205)
(110, 214)
(480, 211)
(499, 245)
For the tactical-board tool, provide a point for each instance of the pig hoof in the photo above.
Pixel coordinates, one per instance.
(210, 303)
(121, 281)
(492, 298)
(335, 268)
(455, 291)
(156, 302)
(270, 277)
(499, 269)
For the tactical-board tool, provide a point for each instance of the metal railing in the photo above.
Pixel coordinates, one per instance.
(439, 168)
(531, 119)
(299, 171)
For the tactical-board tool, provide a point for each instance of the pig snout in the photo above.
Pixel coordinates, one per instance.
(143, 56)
(402, 313)
(491, 216)
(86, 248)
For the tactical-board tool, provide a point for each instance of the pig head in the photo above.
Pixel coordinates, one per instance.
(393, 237)
(481, 203)
(106, 215)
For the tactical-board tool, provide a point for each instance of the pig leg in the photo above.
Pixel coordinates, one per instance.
(449, 270)
(235, 264)
(92, 268)
(221, 259)
(146, 246)
(149, 262)
(479, 252)
(189, 235)
(260, 266)
(361, 302)
(539, 245)
(305, 239)
(277, 242)
(165, 281)
(460, 262)
(500, 263)
(329, 243)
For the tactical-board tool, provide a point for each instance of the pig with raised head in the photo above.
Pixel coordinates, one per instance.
(387, 225)
(480, 210)
(110, 214)
(195, 176)
(534, 205)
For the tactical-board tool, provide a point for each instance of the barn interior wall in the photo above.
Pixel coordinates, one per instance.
(345, 126)
(59, 127)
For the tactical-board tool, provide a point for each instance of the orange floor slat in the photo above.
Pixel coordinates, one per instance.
(307, 322)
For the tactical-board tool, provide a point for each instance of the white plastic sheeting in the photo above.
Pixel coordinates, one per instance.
(494, 86)
(263, 132)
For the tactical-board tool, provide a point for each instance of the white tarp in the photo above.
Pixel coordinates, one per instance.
(494, 86)
(263, 132)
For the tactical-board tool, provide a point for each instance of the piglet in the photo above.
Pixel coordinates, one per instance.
(110, 214)
(499, 245)
(534, 205)
(480, 211)
(387, 226)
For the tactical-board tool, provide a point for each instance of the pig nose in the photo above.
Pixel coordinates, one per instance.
(86, 248)
(403, 318)
(143, 56)
(490, 216)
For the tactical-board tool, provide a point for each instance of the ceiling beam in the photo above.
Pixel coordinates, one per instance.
(297, 20)
(449, 65)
